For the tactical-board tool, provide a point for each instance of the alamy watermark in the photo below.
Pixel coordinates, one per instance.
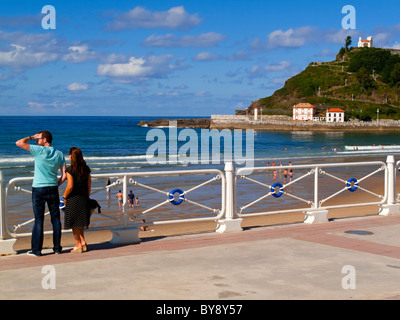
(49, 20)
(49, 280)
(197, 148)
(349, 280)
(349, 20)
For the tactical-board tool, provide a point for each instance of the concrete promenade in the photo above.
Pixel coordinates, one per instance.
(293, 261)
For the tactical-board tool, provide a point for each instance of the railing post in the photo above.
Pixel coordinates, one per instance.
(125, 193)
(2, 213)
(230, 223)
(6, 245)
(125, 234)
(316, 215)
(390, 207)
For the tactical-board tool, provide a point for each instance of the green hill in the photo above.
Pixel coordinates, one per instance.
(359, 81)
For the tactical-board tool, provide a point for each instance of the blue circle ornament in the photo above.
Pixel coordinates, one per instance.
(350, 182)
(181, 197)
(273, 187)
(62, 204)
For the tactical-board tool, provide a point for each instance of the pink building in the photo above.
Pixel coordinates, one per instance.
(303, 112)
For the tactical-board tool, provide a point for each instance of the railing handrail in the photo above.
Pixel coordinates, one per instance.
(125, 179)
(316, 205)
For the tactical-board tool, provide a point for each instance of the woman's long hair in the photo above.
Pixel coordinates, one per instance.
(78, 164)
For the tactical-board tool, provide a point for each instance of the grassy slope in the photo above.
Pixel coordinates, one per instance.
(331, 84)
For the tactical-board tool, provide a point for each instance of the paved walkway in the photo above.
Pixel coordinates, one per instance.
(296, 261)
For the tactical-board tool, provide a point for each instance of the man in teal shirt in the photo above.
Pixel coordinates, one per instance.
(45, 187)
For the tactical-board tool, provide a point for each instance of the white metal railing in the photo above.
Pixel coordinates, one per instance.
(126, 180)
(280, 189)
(396, 170)
(319, 178)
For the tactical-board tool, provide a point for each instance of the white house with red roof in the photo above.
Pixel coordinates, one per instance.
(303, 112)
(335, 115)
(365, 43)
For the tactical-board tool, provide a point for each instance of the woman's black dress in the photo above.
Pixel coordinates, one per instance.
(77, 208)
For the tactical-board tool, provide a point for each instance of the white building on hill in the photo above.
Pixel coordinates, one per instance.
(365, 43)
(335, 115)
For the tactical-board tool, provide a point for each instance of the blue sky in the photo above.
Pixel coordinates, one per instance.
(169, 58)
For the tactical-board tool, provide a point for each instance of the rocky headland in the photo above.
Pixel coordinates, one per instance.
(203, 123)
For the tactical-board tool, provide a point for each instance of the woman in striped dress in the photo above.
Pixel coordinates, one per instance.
(76, 198)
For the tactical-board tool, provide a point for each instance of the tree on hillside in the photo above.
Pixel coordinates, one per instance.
(396, 74)
(347, 43)
(364, 78)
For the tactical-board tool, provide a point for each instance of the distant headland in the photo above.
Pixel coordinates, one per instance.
(273, 123)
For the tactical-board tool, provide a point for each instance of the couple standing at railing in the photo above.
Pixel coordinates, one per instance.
(45, 185)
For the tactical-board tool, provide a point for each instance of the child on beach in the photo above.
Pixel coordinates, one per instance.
(137, 203)
(290, 172)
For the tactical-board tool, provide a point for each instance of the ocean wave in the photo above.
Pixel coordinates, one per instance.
(354, 150)
(16, 159)
(105, 158)
(373, 148)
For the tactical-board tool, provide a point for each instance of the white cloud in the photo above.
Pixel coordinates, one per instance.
(338, 36)
(206, 56)
(203, 93)
(278, 67)
(299, 37)
(175, 18)
(209, 39)
(386, 37)
(44, 107)
(291, 37)
(75, 86)
(18, 57)
(258, 71)
(137, 68)
(78, 54)
(28, 50)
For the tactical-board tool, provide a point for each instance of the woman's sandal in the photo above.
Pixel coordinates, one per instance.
(76, 250)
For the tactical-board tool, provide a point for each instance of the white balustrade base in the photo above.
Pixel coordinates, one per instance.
(389, 210)
(320, 216)
(7, 246)
(229, 225)
(125, 236)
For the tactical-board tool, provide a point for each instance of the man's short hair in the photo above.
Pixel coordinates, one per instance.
(47, 135)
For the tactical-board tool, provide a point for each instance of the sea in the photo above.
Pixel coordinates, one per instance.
(116, 144)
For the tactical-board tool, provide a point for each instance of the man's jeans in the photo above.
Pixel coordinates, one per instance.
(41, 196)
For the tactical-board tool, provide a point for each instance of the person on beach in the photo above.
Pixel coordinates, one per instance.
(131, 198)
(137, 203)
(77, 199)
(45, 185)
(120, 196)
(108, 188)
(144, 228)
(290, 172)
